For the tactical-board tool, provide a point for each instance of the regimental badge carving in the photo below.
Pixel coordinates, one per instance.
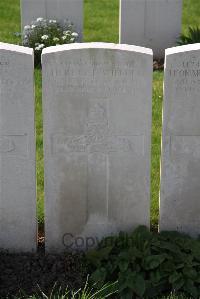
(97, 114)
(98, 137)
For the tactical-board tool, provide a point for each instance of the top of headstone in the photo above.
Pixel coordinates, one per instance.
(78, 46)
(181, 49)
(16, 48)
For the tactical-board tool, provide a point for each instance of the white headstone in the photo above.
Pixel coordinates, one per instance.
(17, 150)
(180, 184)
(155, 24)
(97, 128)
(60, 10)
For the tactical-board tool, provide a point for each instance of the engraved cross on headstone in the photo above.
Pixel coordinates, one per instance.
(98, 142)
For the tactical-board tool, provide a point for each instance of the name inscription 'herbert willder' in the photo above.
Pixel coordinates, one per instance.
(85, 78)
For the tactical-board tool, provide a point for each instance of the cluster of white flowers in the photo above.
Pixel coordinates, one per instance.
(68, 32)
(56, 39)
(43, 33)
(75, 34)
(27, 27)
(40, 19)
(44, 37)
(39, 47)
(52, 21)
(71, 36)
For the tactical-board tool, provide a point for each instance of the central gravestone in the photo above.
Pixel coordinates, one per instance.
(97, 126)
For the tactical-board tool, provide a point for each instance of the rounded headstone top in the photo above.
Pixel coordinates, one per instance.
(181, 49)
(111, 46)
(16, 48)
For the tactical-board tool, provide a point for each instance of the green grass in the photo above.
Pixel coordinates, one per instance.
(101, 21)
(83, 296)
(9, 20)
(39, 147)
(191, 14)
(156, 141)
(100, 24)
(86, 293)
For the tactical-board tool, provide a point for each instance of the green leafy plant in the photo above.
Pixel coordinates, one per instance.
(44, 33)
(192, 37)
(147, 264)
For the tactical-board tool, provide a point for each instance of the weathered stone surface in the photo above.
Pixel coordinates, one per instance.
(53, 9)
(180, 187)
(17, 150)
(155, 24)
(97, 128)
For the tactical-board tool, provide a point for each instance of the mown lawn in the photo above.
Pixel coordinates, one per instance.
(100, 24)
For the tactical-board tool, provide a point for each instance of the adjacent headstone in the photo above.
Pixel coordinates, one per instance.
(155, 24)
(17, 150)
(97, 129)
(60, 10)
(180, 186)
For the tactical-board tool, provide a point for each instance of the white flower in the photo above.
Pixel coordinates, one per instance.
(52, 21)
(40, 19)
(72, 39)
(33, 26)
(39, 47)
(27, 27)
(68, 32)
(44, 37)
(74, 34)
(64, 37)
(56, 39)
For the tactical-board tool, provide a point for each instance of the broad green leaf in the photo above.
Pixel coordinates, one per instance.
(99, 276)
(190, 273)
(137, 284)
(174, 277)
(155, 276)
(178, 284)
(126, 294)
(96, 256)
(153, 261)
(190, 288)
(122, 280)
(123, 265)
(168, 267)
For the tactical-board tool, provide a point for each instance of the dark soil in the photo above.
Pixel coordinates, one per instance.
(28, 273)
(158, 65)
